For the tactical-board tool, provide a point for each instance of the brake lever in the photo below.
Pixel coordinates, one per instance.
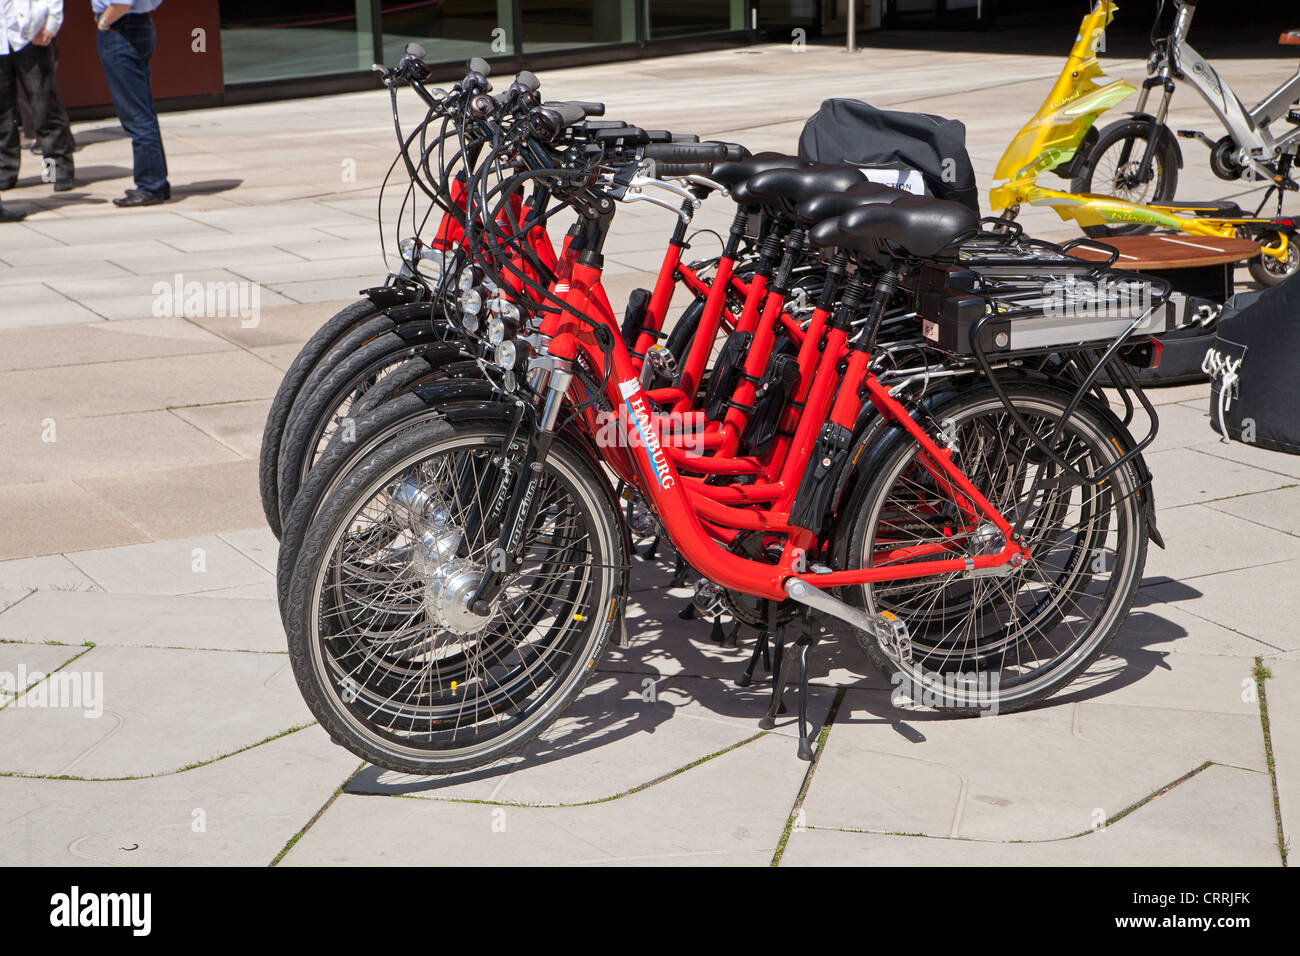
(704, 181)
(640, 182)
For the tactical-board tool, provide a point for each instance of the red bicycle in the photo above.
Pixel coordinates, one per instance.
(957, 493)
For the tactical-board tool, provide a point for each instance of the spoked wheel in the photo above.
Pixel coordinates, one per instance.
(386, 649)
(1002, 642)
(1114, 168)
(1268, 271)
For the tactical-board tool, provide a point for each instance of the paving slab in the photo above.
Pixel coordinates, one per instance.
(155, 717)
(1278, 510)
(236, 425)
(1220, 817)
(1262, 603)
(23, 665)
(104, 342)
(53, 572)
(1207, 539)
(145, 620)
(1282, 691)
(50, 517)
(1038, 774)
(1185, 476)
(180, 566)
(139, 385)
(258, 545)
(612, 741)
(285, 325)
(1154, 627)
(184, 502)
(239, 811)
(728, 809)
(67, 447)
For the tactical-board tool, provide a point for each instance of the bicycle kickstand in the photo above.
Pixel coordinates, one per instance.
(760, 651)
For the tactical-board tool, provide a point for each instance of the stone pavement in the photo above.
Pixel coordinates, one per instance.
(135, 566)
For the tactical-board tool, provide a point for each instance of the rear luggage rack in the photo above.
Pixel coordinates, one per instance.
(1010, 298)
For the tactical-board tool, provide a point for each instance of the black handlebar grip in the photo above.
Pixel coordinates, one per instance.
(685, 138)
(623, 133)
(690, 154)
(528, 80)
(569, 113)
(677, 170)
(480, 66)
(415, 50)
(658, 136)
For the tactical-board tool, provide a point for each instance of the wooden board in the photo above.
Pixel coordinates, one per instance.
(1173, 251)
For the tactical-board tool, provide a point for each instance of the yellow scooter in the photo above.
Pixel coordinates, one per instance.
(1062, 132)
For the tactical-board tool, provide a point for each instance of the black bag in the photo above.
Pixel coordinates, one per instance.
(1254, 368)
(858, 134)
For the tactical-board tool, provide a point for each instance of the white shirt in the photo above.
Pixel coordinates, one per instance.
(21, 20)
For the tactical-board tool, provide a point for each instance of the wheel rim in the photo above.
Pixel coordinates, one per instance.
(1121, 179)
(402, 661)
(1027, 627)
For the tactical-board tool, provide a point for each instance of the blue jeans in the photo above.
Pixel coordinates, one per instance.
(124, 51)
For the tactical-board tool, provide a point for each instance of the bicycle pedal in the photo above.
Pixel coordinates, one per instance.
(893, 637)
(708, 599)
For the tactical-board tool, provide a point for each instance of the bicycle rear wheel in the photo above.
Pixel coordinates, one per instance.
(1002, 643)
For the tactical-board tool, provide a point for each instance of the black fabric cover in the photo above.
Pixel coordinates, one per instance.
(851, 131)
(1254, 364)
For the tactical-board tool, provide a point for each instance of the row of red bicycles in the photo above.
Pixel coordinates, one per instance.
(876, 410)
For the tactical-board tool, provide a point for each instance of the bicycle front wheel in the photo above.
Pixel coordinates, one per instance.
(385, 649)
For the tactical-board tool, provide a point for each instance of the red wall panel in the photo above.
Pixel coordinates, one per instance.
(177, 69)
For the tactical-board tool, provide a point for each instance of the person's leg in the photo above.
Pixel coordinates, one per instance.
(10, 142)
(124, 51)
(34, 71)
(25, 116)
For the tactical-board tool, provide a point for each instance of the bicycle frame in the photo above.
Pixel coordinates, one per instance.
(1249, 128)
(699, 521)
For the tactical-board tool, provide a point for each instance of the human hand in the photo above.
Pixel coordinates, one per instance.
(103, 23)
(44, 38)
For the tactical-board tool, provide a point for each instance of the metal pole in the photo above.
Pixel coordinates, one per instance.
(853, 26)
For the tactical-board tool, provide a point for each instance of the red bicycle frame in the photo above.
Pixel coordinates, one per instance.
(702, 519)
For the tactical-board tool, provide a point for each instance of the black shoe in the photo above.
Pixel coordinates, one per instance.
(7, 216)
(64, 185)
(134, 197)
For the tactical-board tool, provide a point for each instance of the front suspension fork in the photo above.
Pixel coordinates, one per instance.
(528, 464)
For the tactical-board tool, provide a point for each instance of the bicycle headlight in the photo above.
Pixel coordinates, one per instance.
(496, 331)
(410, 250)
(508, 311)
(506, 355)
(471, 302)
(431, 263)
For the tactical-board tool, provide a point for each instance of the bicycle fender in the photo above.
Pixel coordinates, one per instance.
(386, 296)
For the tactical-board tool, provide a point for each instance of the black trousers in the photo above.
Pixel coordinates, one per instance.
(31, 69)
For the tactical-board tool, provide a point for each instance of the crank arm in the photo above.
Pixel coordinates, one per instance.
(889, 631)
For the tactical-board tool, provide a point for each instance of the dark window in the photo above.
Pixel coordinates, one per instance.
(294, 38)
(677, 18)
(449, 30)
(557, 24)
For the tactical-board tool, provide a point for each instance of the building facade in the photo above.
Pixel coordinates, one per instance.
(221, 51)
